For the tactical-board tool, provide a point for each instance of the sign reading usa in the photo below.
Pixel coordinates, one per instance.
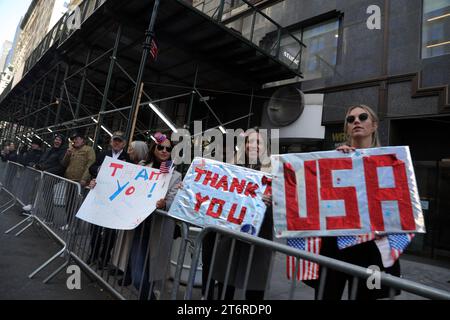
(332, 193)
(221, 194)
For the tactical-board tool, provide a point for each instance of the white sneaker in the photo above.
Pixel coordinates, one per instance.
(27, 208)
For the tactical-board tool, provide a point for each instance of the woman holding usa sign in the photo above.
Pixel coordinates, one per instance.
(361, 129)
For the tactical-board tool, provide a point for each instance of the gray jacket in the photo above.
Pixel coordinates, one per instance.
(161, 237)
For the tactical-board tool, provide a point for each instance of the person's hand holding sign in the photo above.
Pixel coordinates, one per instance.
(161, 204)
(345, 149)
(267, 199)
(92, 184)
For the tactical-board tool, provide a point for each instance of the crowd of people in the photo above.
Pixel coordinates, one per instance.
(142, 255)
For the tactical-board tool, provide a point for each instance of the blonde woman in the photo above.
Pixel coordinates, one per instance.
(361, 129)
(256, 149)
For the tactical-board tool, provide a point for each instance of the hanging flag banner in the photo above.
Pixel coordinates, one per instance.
(221, 194)
(333, 194)
(125, 195)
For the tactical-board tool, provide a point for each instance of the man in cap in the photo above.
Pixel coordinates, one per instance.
(78, 159)
(105, 239)
(52, 158)
(117, 152)
(32, 156)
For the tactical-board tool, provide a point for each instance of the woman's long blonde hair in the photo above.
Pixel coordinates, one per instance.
(373, 116)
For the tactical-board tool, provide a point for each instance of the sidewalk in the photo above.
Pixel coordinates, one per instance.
(19, 256)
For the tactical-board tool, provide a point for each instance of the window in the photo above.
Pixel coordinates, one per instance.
(238, 3)
(435, 28)
(320, 56)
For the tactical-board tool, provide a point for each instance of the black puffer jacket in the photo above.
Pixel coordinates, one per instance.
(12, 156)
(51, 161)
(31, 158)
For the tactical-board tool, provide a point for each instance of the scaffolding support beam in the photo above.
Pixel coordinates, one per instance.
(149, 36)
(107, 85)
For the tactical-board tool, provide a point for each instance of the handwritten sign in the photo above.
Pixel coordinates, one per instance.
(125, 195)
(216, 193)
(331, 193)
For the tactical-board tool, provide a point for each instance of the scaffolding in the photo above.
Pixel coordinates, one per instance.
(92, 79)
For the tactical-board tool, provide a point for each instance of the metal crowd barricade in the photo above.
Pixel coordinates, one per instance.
(356, 272)
(3, 168)
(29, 187)
(54, 204)
(131, 264)
(55, 207)
(138, 264)
(6, 176)
(12, 184)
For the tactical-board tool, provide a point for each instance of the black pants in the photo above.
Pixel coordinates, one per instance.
(102, 243)
(363, 255)
(70, 198)
(207, 251)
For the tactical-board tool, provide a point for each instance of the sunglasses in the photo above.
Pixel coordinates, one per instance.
(362, 117)
(161, 148)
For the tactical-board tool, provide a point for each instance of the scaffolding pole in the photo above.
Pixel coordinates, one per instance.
(149, 36)
(107, 85)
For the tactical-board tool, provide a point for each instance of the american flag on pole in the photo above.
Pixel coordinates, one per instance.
(398, 243)
(349, 241)
(154, 49)
(307, 270)
(166, 166)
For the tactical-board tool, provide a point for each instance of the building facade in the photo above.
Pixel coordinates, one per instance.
(8, 71)
(391, 55)
(37, 22)
(6, 48)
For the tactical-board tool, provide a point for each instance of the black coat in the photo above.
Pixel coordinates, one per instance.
(95, 168)
(51, 161)
(31, 157)
(13, 157)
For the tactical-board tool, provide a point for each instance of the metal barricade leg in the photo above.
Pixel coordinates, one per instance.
(194, 265)
(27, 193)
(18, 225)
(56, 272)
(14, 201)
(45, 264)
(75, 200)
(180, 261)
(26, 228)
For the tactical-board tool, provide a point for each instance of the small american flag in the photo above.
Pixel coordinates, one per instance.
(307, 270)
(166, 166)
(154, 49)
(349, 241)
(398, 243)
